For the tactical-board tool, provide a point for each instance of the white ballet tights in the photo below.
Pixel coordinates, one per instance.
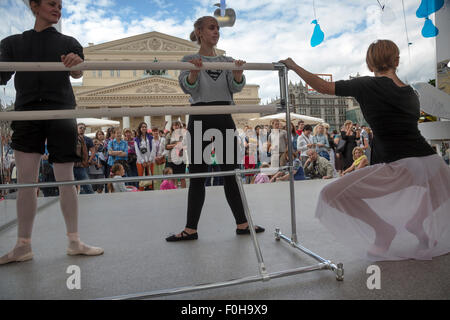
(27, 172)
(27, 165)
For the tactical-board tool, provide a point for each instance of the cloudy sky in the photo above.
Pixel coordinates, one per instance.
(265, 31)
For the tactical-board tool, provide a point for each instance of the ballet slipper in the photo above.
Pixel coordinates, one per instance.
(382, 243)
(76, 247)
(18, 254)
(425, 252)
(419, 232)
(79, 248)
(376, 253)
(425, 246)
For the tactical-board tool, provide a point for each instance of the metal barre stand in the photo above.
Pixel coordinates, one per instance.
(263, 274)
(293, 241)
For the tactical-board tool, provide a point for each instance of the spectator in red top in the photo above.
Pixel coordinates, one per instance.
(300, 125)
(249, 163)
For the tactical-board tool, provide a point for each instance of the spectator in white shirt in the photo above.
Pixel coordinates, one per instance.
(304, 142)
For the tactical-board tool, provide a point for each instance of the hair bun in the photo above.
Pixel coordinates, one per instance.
(193, 37)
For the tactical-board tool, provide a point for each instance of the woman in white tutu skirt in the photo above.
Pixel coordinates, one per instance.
(399, 207)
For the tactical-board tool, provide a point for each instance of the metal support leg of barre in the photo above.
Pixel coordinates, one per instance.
(251, 226)
(293, 241)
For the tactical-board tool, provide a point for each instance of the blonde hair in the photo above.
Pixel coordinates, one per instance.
(265, 165)
(167, 170)
(316, 128)
(275, 121)
(357, 149)
(198, 25)
(383, 55)
(348, 122)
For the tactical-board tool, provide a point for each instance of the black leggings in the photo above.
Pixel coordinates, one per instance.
(196, 194)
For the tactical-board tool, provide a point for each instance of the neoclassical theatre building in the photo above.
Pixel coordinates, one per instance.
(145, 88)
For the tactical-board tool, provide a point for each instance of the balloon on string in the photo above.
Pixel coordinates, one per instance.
(428, 7)
(429, 30)
(318, 35)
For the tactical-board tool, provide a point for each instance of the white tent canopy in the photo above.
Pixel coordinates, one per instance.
(93, 122)
(282, 116)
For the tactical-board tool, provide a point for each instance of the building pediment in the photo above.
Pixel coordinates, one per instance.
(152, 85)
(151, 42)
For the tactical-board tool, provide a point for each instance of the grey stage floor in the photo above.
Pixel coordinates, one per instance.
(131, 228)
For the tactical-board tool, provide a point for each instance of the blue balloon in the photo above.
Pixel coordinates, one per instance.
(318, 35)
(428, 7)
(429, 30)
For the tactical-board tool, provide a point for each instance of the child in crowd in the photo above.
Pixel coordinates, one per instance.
(117, 172)
(263, 177)
(168, 184)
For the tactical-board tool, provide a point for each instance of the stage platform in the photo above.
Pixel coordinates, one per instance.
(131, 227)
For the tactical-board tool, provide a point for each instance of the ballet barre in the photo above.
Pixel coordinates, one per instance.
(134, 112)
(323, 264)
(132, 65)
(129, 179)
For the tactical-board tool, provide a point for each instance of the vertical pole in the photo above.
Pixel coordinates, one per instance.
(284, 94)
(251, 226)
(2, 173)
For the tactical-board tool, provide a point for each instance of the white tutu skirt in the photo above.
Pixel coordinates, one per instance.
(411, 195)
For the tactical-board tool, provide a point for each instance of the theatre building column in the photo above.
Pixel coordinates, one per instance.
(169, 122)
(104, 129)
(148, 121)
(125, 122)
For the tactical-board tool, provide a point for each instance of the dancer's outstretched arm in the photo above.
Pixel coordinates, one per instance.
(314, 81)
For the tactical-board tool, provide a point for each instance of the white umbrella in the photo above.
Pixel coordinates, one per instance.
(282, 116)
(94, 122)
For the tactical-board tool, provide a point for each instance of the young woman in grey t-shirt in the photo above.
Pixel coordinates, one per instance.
(211, 87)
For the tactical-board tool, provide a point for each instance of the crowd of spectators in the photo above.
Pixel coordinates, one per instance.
(317, 154)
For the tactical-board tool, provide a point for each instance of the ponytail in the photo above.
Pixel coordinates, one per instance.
(193, 37)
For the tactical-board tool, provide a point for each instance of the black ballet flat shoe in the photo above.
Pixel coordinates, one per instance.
(184, 236)
(258, 229)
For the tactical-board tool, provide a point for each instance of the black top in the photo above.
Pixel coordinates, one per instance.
(40, 90)
(348, 149)
(392, 113)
